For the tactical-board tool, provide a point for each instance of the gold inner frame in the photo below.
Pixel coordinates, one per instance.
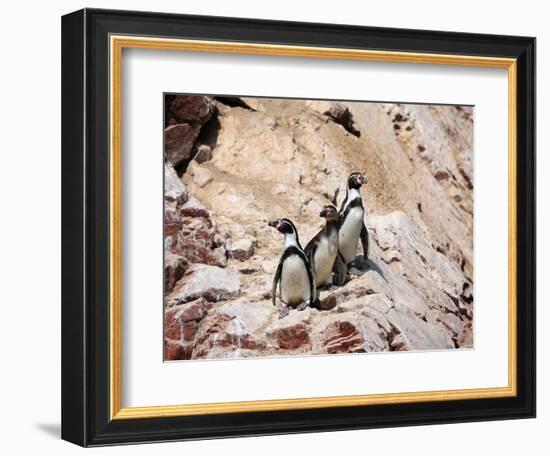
(117, 44)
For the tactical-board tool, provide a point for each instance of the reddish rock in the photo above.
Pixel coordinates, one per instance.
(179, 140)
(441, 175)
(197, 242)
(192, 109)
(176, 316)
(175, 194)
(189, 330)
(292, 332)
(188, 230)
(172, 324)
(342, 337)
(181, 324)
(195, 310)
(222, 333)
(172, 220)
(174, 351)
(293, 337)
(194, 208)
(174, 267)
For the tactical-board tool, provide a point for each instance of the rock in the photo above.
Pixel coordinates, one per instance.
(293, 337)
(241, 250)
(194, 208)
(292, 332)
(204, 153)
(342, 336)
(174, 190)
(175, 351)
(204, 281)
(375, 337)
(413, 333)
(200, 175)
(453, 323)
(174, 267)
(181, 324)
(196, 243)
(175, 194)
(188, 230)
(185, 116)
(328, 302)
(221, 334)
(179, 140)
(342, 115)
(251, 317)
(177, 316)
(192, 109)
(172, 220)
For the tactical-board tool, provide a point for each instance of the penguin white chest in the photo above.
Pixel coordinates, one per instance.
(294, 287)
(350, 232)
(324, 258)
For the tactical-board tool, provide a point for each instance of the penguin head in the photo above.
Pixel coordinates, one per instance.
(283, 225)
(329, 212)
(355, 180)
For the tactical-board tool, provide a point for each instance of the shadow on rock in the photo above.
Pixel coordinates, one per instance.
(361, 266)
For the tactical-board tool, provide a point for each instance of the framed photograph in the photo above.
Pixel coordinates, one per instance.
(277, 227)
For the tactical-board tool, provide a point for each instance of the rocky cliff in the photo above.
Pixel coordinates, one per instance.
(233, 164)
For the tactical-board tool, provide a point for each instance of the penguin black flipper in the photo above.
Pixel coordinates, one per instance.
(341, 215)
(276, 280)
(312, 285)
(340, 270)
(365, 241)
(309, 251)
(311, 246)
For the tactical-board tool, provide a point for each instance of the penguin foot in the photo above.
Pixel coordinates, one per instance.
(283, 312)
(302, 305)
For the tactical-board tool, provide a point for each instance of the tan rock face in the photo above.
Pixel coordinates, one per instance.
(286, 158)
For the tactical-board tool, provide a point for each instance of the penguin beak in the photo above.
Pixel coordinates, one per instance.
(361, 180)
(273, 223)
(323, 213)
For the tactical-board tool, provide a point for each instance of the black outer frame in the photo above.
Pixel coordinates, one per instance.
(85, 227)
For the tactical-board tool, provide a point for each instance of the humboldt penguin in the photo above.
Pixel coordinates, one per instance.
(322, 250)
(351, 226)
(294, 275)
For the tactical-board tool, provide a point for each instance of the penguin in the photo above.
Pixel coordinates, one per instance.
(294, 275)
(322, 249)
(351, 226)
